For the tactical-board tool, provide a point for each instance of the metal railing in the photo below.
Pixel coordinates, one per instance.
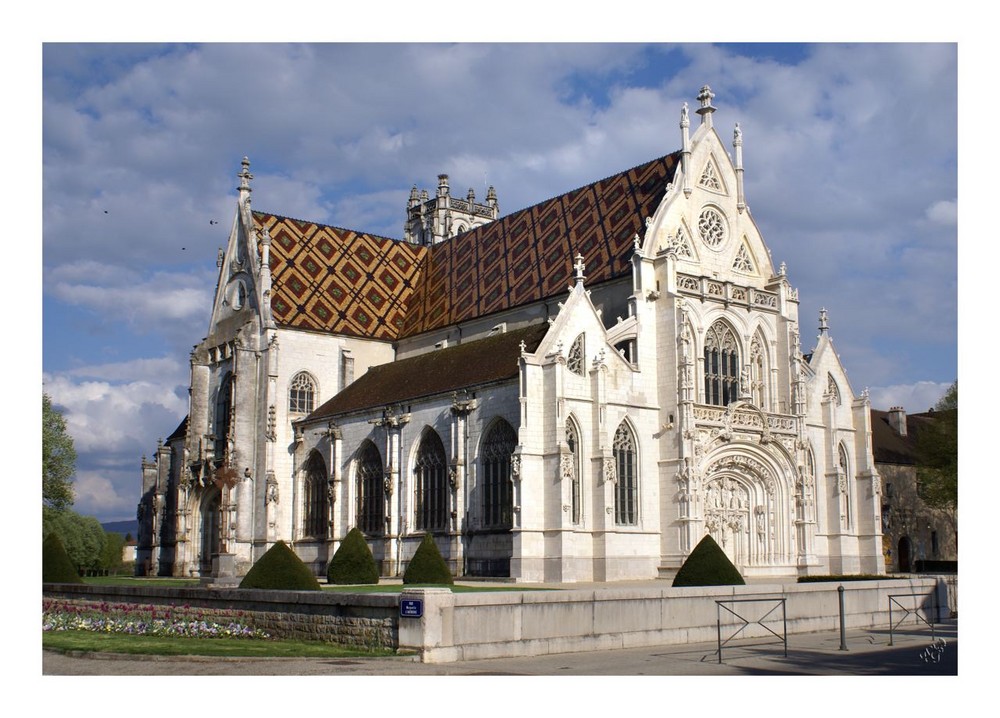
(915, 611)
(778, 603)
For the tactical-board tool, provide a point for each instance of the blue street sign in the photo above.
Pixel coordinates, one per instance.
(411, 607)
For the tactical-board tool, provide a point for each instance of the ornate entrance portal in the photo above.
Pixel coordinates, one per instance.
(746, 511)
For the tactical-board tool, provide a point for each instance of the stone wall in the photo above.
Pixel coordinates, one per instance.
(470, 626)
(363, 621)
(476, 625)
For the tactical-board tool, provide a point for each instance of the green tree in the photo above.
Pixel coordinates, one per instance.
(937, 454)
(58, 458)
(82, 536)
(111, 556)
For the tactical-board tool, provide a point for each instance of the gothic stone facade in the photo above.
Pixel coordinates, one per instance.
(576, 391)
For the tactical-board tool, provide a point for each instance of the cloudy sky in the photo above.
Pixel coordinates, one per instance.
(850, 154)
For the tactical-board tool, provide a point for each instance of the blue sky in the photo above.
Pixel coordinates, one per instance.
(850, 154)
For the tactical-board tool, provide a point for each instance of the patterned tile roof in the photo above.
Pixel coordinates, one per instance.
(528, 255)
(337, 280)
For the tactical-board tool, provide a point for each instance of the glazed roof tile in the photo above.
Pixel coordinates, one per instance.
(338, 280)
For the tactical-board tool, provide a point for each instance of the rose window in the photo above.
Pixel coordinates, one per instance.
(712, 228)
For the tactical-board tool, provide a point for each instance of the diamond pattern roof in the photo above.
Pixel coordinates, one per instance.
(337, 280)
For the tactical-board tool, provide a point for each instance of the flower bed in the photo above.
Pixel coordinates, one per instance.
(141, 620)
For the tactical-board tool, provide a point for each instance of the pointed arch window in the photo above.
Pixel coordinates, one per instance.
(316, 498)
(301, 393)
(498, 446)
(722, 365)
(223, 416)
(626, 473)
(575, 360)
(431, 483)
(571, 469)
(371, 490)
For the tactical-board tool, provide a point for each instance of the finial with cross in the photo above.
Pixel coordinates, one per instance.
(579, 266)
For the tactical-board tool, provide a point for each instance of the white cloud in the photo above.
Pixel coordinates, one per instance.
(144, 300)
(943, 212)
(915, 398)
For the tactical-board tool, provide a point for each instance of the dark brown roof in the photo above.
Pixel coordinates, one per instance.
(477, 363)
(180, 432)
(338, 280)
(888, 447)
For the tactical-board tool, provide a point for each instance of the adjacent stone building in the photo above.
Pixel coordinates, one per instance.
(912, 532)
(576, 391)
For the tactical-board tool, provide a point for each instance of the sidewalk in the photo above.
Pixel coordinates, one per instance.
(913, 653)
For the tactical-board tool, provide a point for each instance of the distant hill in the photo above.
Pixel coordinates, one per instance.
(123, 527)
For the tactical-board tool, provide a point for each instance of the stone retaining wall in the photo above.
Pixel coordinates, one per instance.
(464, 626)
(359, 620)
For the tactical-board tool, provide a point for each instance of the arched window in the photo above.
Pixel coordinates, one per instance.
(371, 490)
(571, 469)
(498, 446)
(722, 365)
(431, 482)
(223, 416)
(626, 472)
(317, 498)
(301, 393)
(575, 360)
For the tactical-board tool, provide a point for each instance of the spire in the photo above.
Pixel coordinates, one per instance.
(245, 177)
(491, 200)
(685, 148)
(738, 150)
(706, 109)
(579, 267)
(823, 326)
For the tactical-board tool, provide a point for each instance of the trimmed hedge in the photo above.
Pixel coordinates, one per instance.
(708, 565)
(847, 577)
(353, 562)
(427, 565)
(57, 567)
(280, 569)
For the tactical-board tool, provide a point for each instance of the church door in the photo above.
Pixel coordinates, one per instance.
(903, 554)
(211, 523)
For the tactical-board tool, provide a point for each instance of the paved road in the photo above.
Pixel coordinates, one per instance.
(808, 654)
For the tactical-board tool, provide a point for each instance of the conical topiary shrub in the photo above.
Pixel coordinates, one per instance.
(708, 565)
(353, 562)
(427, 565)
(280, 569)
(57, 567)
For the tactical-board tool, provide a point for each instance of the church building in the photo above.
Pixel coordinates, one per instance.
(577, 391)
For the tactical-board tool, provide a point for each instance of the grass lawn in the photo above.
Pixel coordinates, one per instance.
(133, 581)
(91, 641)
(377, 588)
(398, 587)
